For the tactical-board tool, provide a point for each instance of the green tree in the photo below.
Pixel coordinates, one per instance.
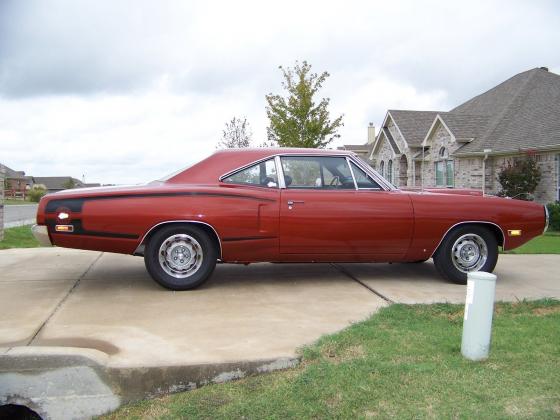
(297, 120)
(36, 193)
(519, 178)
(69, 184)
(237, 134)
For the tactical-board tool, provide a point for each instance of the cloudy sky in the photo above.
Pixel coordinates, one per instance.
(126, 91)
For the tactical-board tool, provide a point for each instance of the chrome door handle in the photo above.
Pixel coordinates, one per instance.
(292, 202)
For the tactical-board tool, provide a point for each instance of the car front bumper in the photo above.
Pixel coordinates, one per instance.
(41, 234)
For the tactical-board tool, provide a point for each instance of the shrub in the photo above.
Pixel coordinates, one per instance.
(36, 193)
(519, 178)
(554, 212)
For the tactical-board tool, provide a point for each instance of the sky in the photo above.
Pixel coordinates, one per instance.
(127, 91)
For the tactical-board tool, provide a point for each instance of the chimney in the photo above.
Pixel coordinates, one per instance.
(370, 133)
(544, 68)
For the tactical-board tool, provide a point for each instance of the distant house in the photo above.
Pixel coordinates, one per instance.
(450, 149)
(15, 182)
(59, 183)
(363, 150)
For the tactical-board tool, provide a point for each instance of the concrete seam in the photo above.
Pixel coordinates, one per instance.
(357, 280)
(64, 299)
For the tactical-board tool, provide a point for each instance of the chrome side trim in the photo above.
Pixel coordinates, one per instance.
(352, 173)
(41, 233)
(366, 168)
(546, 219)
(467, 223)
(280, 172)
(374, 175)
(140, 248)
(227, 174)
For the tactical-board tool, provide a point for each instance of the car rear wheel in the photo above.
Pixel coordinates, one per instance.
(466, 249)
(180, 257)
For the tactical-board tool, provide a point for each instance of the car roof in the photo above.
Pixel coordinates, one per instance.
(272, 151)
(221, 162)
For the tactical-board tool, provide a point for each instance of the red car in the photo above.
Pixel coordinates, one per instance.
(285, 205)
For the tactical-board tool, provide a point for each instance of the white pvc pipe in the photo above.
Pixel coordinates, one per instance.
(479, 309)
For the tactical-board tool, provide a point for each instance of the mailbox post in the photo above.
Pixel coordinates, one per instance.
(479, 309)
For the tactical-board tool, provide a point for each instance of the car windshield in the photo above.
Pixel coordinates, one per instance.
(367, 165)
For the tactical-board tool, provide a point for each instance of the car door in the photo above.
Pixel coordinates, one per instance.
(323, 211)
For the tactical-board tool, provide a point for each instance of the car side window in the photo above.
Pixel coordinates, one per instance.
(363, 179)
(317, 172)
(262, 174)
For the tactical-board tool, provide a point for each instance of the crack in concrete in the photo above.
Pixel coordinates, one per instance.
(64, 299)
(357, 280)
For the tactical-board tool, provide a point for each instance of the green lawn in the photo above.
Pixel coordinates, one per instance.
(11, 201)
(549, 243)
(18, 237)
(403, 362)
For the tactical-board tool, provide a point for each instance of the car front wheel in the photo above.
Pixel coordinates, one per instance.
(466, 249)
(180, 257)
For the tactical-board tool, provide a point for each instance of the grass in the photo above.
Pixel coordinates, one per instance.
(549, 243)
(19, 237)
(11, 201)
(403, 362)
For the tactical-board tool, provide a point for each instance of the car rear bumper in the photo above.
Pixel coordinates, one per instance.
(41, 234)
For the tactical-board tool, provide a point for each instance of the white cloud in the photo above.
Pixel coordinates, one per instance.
(127, 91)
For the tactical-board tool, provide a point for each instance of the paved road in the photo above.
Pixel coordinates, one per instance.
(17, 215)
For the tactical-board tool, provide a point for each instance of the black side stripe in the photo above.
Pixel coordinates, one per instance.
(247, 238)
(79, 230)
(76, 204)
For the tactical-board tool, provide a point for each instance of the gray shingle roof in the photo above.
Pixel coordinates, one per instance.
(56, 182)
(10, 173)
(466, 127)
(356, 147)
(413, 124)
(524, 112)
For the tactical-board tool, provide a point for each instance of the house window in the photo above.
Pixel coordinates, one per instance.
(445, 173)
(382, 168)
(390, 171)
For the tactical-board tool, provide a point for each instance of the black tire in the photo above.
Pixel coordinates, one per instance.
(467, 248)
(194, 251)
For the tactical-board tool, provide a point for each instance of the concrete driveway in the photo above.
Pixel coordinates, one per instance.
(65, 308)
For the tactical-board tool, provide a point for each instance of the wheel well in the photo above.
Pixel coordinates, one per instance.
(208, 229)
(493, 228)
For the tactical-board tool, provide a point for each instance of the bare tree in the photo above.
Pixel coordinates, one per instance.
(237, 134)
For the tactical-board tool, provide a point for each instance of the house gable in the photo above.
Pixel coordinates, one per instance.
(438, 122)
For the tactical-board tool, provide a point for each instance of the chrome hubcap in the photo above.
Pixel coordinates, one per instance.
(180, 255)
(469, 253)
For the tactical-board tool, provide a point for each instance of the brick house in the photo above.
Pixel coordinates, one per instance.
(15, 183)
(453, 149)
(59, 183)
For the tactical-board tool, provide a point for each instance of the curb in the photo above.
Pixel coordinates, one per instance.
(67, 382)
